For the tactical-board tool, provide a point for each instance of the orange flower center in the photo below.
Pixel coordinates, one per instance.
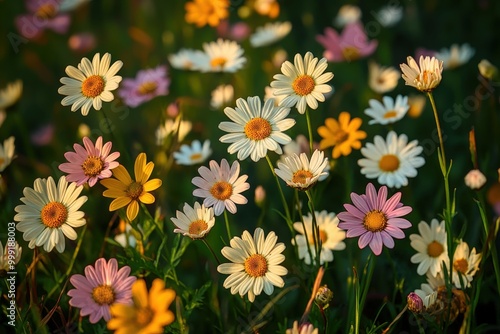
(351, 53)
(218, 62)
(303, 85)
(144, 317)
(434, 249)
(197, 227)
(256, 265)
(93, 86)
(195, 156)
(147, 88)
(46, 11)
(54, 214)
(390, 114)
(221, 190)
(323, 236)
(103, 295)
(135, 190)
(258, 128)
(301, 176)
(389, 163)
(340, 136)
(375, 221)
(461, 266)
(92, 166)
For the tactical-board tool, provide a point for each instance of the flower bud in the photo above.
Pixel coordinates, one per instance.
(260, 196)
(475, 179)
(487, 69)
(415, 303)
(323, 296)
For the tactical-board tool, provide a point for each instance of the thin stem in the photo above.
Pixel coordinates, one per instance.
(395, 319)
(367, 278)
(226, 218)
(315, 228)
(304, 227)
(285, 204)
(211, 250)
(309, 130)
(438, 126)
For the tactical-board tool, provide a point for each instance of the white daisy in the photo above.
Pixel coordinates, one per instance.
(172, 127)
(10, 255)
(465, 265)
(455, 56)
(391, 161)
(50, 212)
(388, 112)
(382, 79)
(270, 33)
(255, 128)
(194, 222)
(255, 264)
(431, 246)
(7, 153)
(222, 56)
(424, 76)
(331, 236)
(91, 83)
(187, 59)
(347, 14)
(298, 172)
(269, 94)
(303, 82)
(221, 96)
(428, 292)
(193, 154)
(10, 94)
(389, 15)
(220, 186)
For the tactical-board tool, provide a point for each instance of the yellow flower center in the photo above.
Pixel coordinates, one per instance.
(92, 166)
(350, 53)
(147, 88)
(197, 227)
(256, 265)
(375, 221)
(144, 317)
(46, 11)
(461, 266)
(258, 128)
(195, 156)
(135, 190)
(218, 62)
(389, 163)
(103, 295)
(323, 236)
(390, 114)
(54, 214)
(221, 190)
(93, 86)
(301, 176)
(340, 136)
(187, 64)
(434, 249)
(303, 85)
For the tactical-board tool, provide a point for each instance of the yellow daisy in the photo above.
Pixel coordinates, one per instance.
(126, 191)
(203, 12)
(148, 314)
(343, 134)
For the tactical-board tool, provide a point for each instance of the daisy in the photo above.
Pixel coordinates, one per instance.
(178, 127)
(391, 161)
(331, 236)
(50, 212)
(351, 45)
(375, 219)
(127, 192)
(91, 163)
(303, 82)
(270, 8)
(149, 312)
(425, 77)
(255, 264)
(186, 59)
(388, 112)
(343, 134)
(455, 56)
(102, 286)
(10, 94)
(193, 154)
(146, 85)
(347, 14)
(9, 256)
(221, 96)
(305, 328)
(7, 153)
(206, 12)
(301, 173)
(220, 186)
(91, 83)
(269, 94)
(431, 246)
(382, 79)
(465, 265)
(389, 15)
(255, 128)
(270, 33)
(194, 222)
(222, 56)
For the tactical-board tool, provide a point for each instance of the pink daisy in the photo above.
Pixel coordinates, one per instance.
(146, 85)
(375, 219)
(351, 45)
(42, 14)
(102, 286)
(89, 164)
(221, 186)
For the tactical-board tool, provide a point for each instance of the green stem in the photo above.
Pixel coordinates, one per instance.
(285, 204)
(226, 218)
(306, 236)
(438, 126)
(309, 130)
(367, 278)
(315, 228)
(211, 250)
